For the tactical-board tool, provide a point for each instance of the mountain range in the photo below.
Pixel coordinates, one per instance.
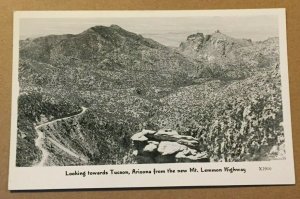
(129, 82)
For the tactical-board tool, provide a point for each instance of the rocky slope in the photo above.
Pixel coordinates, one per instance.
(60, 147)
(35, 109)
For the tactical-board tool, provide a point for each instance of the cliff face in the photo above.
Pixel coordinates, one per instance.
(166, 146)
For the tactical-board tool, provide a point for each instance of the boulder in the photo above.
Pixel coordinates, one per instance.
(139, 141)
(151, 147)
(166, 135)
(168, 148)
(139, 137)
(146, 132)
(198, 157)
(171, 135)
(189, 143)
(189, 151)
(181, 157)
(201, 155)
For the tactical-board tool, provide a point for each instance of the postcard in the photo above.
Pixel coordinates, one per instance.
(126, 99)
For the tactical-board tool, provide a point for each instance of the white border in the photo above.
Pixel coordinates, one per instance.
(29, 178)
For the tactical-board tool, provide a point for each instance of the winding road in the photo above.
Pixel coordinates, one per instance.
(39, 141)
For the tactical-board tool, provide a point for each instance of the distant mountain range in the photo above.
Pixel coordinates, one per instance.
(115, 49)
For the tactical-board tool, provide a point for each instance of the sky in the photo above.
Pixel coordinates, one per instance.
(170, 31)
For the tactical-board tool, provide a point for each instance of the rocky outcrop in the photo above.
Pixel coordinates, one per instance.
(166, 146)
(216, 45)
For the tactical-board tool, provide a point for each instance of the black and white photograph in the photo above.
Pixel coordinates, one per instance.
(139, 92)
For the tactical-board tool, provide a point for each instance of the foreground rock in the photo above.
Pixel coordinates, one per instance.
(166, 146)
(169, 148)
(171, 135)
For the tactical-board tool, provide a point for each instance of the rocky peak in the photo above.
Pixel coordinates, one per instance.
(114, 26)
(213, 45)
(195, 36)
(166, 146)
(107, 30)
(217, 35)
(201, 37)
(103, 29)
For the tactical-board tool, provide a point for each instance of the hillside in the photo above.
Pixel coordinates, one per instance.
(128, 83)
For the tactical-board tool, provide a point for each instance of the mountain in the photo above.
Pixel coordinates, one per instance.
(221, 56)
(128, 82)
(211, 46)
(106, 58)
(109, 48)
(113, 56)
